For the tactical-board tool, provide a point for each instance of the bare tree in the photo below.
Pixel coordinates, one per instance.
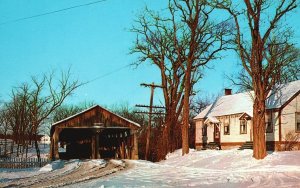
(32, 104)
(290, 71)
(46, 97)
(179, 43)
(265, 52)
(18, 117)
(5, 127)
(155, 45)
(200, 102)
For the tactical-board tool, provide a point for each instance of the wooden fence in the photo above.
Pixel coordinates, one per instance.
(22, 162)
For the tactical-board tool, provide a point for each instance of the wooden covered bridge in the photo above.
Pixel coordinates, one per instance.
(94, 133)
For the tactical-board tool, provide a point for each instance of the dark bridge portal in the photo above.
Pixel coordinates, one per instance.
(95, 142)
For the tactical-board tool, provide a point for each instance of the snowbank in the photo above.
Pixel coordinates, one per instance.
(53, 166)
(60, 167)
(209, 168)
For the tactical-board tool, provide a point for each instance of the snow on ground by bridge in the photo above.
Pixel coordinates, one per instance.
(60, 166)
(210, 168)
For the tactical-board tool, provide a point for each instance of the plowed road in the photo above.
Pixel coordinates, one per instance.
(85, 171)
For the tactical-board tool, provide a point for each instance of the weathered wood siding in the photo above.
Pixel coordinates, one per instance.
(94, 116)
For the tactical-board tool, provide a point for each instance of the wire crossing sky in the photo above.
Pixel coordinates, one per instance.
(93, 38)
(51, 12)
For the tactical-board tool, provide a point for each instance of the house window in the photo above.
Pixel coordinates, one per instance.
(269, 127)
(268, 121)
(243, 126)
(297, 121)
(204, 130)
(227, 125)
(226, 129)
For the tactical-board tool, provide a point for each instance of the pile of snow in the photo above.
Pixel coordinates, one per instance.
(53, 166)
(98, 162)
(209, 168)
(118, 162)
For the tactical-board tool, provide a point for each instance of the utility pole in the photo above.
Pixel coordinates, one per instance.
(150, 113)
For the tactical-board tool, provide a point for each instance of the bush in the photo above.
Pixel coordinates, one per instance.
(291, 141)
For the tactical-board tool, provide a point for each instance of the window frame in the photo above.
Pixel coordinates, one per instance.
(204, 127)
(296, 122)
(269, 123)
(226, 125)
(243, 120)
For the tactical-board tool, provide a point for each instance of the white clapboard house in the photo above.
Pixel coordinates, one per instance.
(228, 121)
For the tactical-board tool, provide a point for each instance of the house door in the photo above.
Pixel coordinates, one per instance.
(216, 133)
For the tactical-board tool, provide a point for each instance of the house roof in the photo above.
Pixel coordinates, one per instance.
(96, 106)
(211, 119)
(282, 94)
(229, 104)
(243, 102)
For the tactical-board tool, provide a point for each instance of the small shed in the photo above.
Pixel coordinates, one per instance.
(92, 134)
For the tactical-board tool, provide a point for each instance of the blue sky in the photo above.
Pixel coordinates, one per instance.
(92, 40)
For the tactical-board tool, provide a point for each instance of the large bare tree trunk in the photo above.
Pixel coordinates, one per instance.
(259, 138)
(186, 111)
(166, 137)
(148, 137)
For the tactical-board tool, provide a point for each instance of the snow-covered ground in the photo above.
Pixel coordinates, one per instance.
(210, 168)
(58, 166)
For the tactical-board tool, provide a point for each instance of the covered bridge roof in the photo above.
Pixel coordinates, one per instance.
(94, 116)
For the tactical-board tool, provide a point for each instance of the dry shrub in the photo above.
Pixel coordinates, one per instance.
(291, 141)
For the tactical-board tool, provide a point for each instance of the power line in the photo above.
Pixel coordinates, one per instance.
(107, 74)
(147, 106)
(51, 12)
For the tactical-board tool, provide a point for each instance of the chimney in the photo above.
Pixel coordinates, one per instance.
(227, 91)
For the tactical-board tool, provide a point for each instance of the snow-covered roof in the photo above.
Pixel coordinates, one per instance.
(243, 102)
(229, 104)
(282, 94)
(211, 119)
(70, 117)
